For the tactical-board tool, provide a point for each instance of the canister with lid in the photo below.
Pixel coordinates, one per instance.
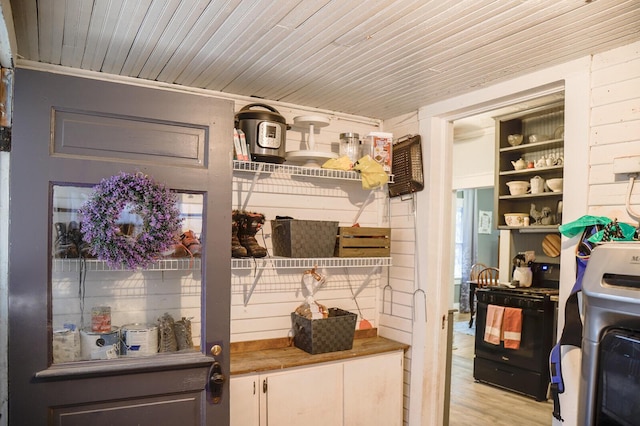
(350, 145)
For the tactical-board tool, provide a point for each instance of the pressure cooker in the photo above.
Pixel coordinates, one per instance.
(265, 131)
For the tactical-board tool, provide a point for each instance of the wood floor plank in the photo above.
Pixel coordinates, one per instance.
(480, 404)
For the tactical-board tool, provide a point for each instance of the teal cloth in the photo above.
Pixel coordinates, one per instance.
(578, 226)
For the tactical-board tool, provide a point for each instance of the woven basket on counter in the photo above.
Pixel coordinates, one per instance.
(324, 335)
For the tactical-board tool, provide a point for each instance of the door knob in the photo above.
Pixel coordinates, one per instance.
(216, 350)
(216, 383)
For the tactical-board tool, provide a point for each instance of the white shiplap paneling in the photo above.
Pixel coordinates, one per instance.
(615, 121)
(277, 293)
(401, 305)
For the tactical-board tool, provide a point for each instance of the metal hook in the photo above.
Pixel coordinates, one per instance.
(384, 293)
(409, 197)
(413, 306)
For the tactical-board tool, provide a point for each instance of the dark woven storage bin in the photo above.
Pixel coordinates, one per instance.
(303, 238)
(324, 335)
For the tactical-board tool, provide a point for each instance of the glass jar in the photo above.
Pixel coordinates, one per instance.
(350, 145)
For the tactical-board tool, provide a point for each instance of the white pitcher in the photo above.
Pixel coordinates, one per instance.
(537, 185)
(523, 275)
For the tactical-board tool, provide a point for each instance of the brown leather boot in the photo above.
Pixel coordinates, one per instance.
(237, 250)
(249, 226)
(64, 247)
(75, 234)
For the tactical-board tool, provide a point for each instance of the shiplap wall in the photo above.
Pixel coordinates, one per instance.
(401, 306)
(277, 293)
(615, 130)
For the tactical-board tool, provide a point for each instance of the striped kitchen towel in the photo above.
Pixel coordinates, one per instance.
(493, 325)
(512, 328)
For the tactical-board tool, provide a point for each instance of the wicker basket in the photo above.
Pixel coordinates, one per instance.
(324, 335)
(406, 167)
(303, 238)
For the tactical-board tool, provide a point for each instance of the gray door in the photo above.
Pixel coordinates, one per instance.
(71, 131)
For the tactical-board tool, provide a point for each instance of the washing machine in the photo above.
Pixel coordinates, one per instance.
(609, 392)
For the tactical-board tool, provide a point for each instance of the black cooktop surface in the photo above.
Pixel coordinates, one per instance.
(537, 291)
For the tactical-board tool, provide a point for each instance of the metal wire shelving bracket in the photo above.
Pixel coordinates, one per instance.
(365, 283)
(259, 265)
(259, 168)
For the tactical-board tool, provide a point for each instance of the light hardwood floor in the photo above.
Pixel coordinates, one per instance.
(480, 404)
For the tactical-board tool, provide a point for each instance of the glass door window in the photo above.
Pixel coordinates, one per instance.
(101, 312)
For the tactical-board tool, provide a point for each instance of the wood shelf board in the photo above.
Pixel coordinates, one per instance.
(532, 228)
(534, 171)
(535, 146)
(530, 196)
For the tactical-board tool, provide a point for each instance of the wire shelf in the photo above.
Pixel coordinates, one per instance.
(188, 264)
(308, 263)
(73, 265)
(258, 167)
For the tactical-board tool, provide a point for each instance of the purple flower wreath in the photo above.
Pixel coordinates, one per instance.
(155, 204)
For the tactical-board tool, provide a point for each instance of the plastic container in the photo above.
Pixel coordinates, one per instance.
(381, 145)
(366, 148)
(101, 319)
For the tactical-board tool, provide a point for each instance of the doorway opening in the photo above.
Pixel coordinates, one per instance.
(473, 179)
(476, 239)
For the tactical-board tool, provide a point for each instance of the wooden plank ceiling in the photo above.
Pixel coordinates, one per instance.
(375, 58)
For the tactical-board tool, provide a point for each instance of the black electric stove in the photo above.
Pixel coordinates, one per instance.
(524, 370)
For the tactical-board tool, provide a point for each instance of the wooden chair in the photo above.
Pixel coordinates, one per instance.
(473, 284)
(475, 270)
(488, 277)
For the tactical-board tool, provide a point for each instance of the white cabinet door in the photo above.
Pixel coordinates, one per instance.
(244, 405)
(309, 396)
(373, 390)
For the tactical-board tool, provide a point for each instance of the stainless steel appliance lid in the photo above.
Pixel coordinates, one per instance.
(272, 114)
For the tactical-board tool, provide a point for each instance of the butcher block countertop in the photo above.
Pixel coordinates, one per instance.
(277, 354)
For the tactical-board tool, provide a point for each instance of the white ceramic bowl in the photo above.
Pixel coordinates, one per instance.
(515, 219)
(514, 140)
(518, 187)
(555, 184)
